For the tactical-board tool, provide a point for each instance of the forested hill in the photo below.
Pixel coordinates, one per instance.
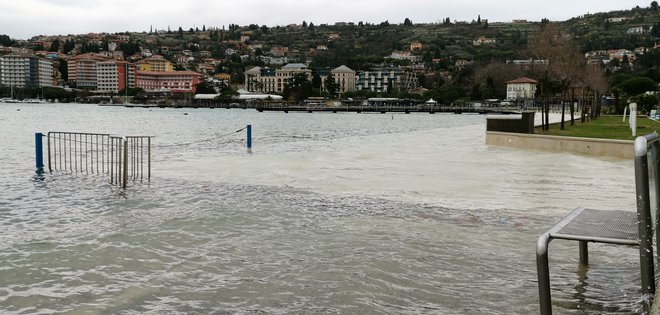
(451, 59)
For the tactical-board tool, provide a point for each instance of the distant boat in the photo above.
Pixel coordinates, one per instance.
(34, 101)
(9, 100)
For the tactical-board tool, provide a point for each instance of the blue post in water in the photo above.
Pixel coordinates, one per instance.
(39, 151)
(249, 136)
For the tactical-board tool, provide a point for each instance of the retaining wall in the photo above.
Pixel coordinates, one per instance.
(599, 147)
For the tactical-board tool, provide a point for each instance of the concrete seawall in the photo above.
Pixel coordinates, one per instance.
(590, 146)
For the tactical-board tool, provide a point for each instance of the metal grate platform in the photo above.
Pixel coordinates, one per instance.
(611, 226)
(602, 226)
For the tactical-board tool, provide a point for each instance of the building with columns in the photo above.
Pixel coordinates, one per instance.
(265, 80)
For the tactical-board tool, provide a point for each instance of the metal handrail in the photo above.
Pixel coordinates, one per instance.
(643, 145)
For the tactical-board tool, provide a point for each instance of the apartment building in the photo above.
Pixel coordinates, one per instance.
(386, 80)
(155, 63)
(82, 70)
(25, 70)
(114, 76)
(173, 81)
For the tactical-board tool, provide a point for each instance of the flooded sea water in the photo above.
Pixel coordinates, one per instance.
(329, 213)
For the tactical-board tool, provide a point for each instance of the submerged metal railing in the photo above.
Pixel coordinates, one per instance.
(612, 226)
(122, 158)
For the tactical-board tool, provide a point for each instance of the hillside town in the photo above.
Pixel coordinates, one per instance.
(452, 61)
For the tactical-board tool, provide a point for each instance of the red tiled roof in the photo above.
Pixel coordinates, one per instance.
(522, 80)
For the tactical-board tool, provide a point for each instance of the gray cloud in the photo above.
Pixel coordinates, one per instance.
(27, 18)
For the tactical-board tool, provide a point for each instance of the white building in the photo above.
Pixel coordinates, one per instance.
(382, 80)
(405, 55)
(41, 72)
(14, 70)
(113, 76)
(259, 79)
(21, 70)
(521, 89)
(345, 78)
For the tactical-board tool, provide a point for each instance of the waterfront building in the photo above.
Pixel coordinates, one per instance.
(82, 70)
(114, 76)
(173, 81)
(521, 89)
(385, 80)
(345, 78)
(25, 70)
(41, 72)
(259, 79)
(155, 63)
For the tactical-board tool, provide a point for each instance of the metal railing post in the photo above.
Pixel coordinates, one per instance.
(644, 215)
(543, 273)
(655, 164)
(249, 136)
(50, 169)
(149, 158)
(39, 151)
(125, 175)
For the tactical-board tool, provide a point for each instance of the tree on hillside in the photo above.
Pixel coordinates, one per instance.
(637, 85)
(54, 46)
(316, 81)
(68, 46)
(5, 40)
(63, 69)
(407, 22)
(298, 88)
(129, 48)
(331, 85)
(646, 102)
(494, 76)
(227, 94)
(204, 88)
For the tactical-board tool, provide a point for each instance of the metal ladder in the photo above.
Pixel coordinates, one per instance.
(610, 226)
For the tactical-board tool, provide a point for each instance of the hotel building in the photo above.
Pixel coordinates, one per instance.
(23, 70)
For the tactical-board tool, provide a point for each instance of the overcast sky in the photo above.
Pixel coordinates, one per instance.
(23, 19)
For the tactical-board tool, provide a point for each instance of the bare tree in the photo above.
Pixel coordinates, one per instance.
(564, 63)
(594, 80)
(541, 49)
(494, 77)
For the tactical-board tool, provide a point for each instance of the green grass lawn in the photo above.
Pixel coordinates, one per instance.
(605, 127)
